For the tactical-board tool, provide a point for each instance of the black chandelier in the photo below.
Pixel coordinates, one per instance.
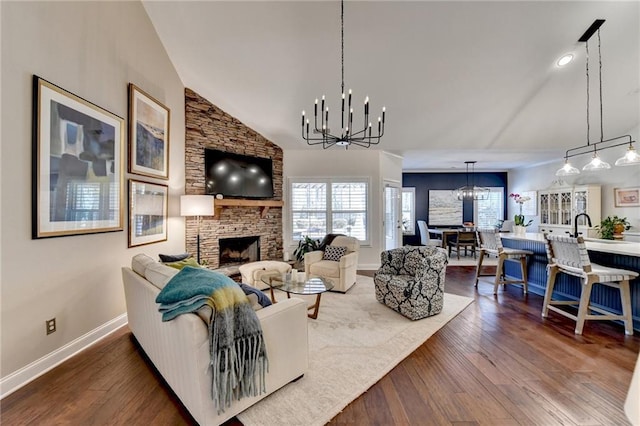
(348, 136)
(470, 191)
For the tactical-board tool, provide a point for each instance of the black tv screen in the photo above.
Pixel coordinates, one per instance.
(235, 175)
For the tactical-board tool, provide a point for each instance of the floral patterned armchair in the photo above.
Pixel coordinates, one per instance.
(411, 280)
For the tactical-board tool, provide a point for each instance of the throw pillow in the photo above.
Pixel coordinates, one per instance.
(334, 253)
(182, 263)
(263, 300)
(173, 257)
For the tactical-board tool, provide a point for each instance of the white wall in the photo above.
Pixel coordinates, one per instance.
(541, 177)
(345, 163)
(92, 49)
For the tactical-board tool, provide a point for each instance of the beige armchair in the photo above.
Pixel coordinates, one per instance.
(342, 272)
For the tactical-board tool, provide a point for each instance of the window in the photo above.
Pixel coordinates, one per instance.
(488, 213)
(409, 211)
(325, 206)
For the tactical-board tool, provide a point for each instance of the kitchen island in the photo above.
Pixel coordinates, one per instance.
(617, 254)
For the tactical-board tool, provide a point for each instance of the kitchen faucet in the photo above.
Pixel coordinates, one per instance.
(575, 223)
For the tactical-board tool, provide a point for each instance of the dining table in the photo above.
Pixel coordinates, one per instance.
(445, 233)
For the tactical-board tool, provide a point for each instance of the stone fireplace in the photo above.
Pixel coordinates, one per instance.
(207, 126)
(238, 250)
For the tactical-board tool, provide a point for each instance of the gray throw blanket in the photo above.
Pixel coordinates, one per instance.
(237, 349)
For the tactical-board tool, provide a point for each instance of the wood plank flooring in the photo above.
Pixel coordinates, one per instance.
(496, 363)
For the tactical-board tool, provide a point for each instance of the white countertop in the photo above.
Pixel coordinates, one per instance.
(627, 248)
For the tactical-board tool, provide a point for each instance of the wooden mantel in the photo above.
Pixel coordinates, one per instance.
(264, 205)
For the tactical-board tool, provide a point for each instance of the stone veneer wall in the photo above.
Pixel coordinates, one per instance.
(207, 126)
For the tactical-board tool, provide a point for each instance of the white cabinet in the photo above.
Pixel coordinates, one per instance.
(558, 208)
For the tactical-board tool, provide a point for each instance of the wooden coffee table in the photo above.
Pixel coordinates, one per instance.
(311, 286)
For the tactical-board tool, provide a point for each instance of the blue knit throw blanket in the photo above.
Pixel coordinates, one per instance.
(238, 354)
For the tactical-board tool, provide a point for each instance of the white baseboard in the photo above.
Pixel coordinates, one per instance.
(369, 266)
(37, 368)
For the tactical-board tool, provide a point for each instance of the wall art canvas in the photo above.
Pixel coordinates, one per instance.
(148, 135)
(626, 197)
(77, 173)
(147, 212)
(444, 208)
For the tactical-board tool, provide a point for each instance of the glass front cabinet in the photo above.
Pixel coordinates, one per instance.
(559, 207)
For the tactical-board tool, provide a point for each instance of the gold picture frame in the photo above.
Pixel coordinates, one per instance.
(77, 172)
(148, 206)
(149, 128)
(626, 197)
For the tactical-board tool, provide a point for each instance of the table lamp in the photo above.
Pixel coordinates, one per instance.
(198, 206)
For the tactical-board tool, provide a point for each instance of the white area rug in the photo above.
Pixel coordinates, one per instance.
(470, 261)
(354, 342)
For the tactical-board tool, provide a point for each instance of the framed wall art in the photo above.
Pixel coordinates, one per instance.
(148, 203)
(626, 197)
(148, 135)
(77, 173)
(444, 208)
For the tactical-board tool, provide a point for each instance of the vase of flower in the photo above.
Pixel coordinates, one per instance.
(520, 223)
(519, 230)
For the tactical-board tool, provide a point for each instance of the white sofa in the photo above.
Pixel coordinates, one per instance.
(342, 272)
(179, 349)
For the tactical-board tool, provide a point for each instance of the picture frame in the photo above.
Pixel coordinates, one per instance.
(77, 165)
(148, 135)
(444, 208)
(148, 206)
(626, 197)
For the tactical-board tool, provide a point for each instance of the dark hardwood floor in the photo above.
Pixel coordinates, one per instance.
(497, 362)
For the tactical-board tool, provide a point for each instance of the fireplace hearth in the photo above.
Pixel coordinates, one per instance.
(236, 251)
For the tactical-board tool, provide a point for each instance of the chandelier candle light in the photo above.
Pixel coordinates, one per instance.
(630, 158)
(348, 136)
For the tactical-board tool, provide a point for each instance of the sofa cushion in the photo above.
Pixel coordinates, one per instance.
(185, 262)
(173, 257)
(334, 253)
(139, 263)
(351, 243)
(262, 298)
(325, 268)
(159, 274)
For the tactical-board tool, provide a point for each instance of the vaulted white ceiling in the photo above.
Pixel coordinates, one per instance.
(460, 80)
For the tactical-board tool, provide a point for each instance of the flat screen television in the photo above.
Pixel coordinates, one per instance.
(237, 176)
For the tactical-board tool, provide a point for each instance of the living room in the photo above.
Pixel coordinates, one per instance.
(94, 50)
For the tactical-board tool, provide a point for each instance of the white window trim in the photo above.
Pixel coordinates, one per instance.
(501, 191)
(328, 181)
(411, 227)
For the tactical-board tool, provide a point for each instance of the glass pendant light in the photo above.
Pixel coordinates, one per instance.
(596, 164)
(631, 158)
(567, 169)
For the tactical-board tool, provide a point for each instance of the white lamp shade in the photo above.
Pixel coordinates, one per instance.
(196, 205)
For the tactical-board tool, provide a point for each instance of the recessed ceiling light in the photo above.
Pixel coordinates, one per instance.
(564, 60)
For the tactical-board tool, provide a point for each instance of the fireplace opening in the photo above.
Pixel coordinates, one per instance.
(235, 251)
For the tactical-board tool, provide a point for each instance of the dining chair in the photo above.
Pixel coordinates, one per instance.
(569, 255)
(491, 244)
(463, 240)
(425, 238)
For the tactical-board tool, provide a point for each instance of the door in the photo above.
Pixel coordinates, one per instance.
(392, 215)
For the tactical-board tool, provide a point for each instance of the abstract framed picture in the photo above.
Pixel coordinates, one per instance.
(444, 208)
(148, 135)
(626, 197)
(148, 203)
(77, 165)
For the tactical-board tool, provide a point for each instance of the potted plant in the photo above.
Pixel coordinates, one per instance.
(305, 245)
(611, 228)
(519, 219)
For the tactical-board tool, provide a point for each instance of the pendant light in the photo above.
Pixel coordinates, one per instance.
(596, 164)
(470, 191)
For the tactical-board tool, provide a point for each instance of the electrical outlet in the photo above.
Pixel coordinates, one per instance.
(51, 325)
